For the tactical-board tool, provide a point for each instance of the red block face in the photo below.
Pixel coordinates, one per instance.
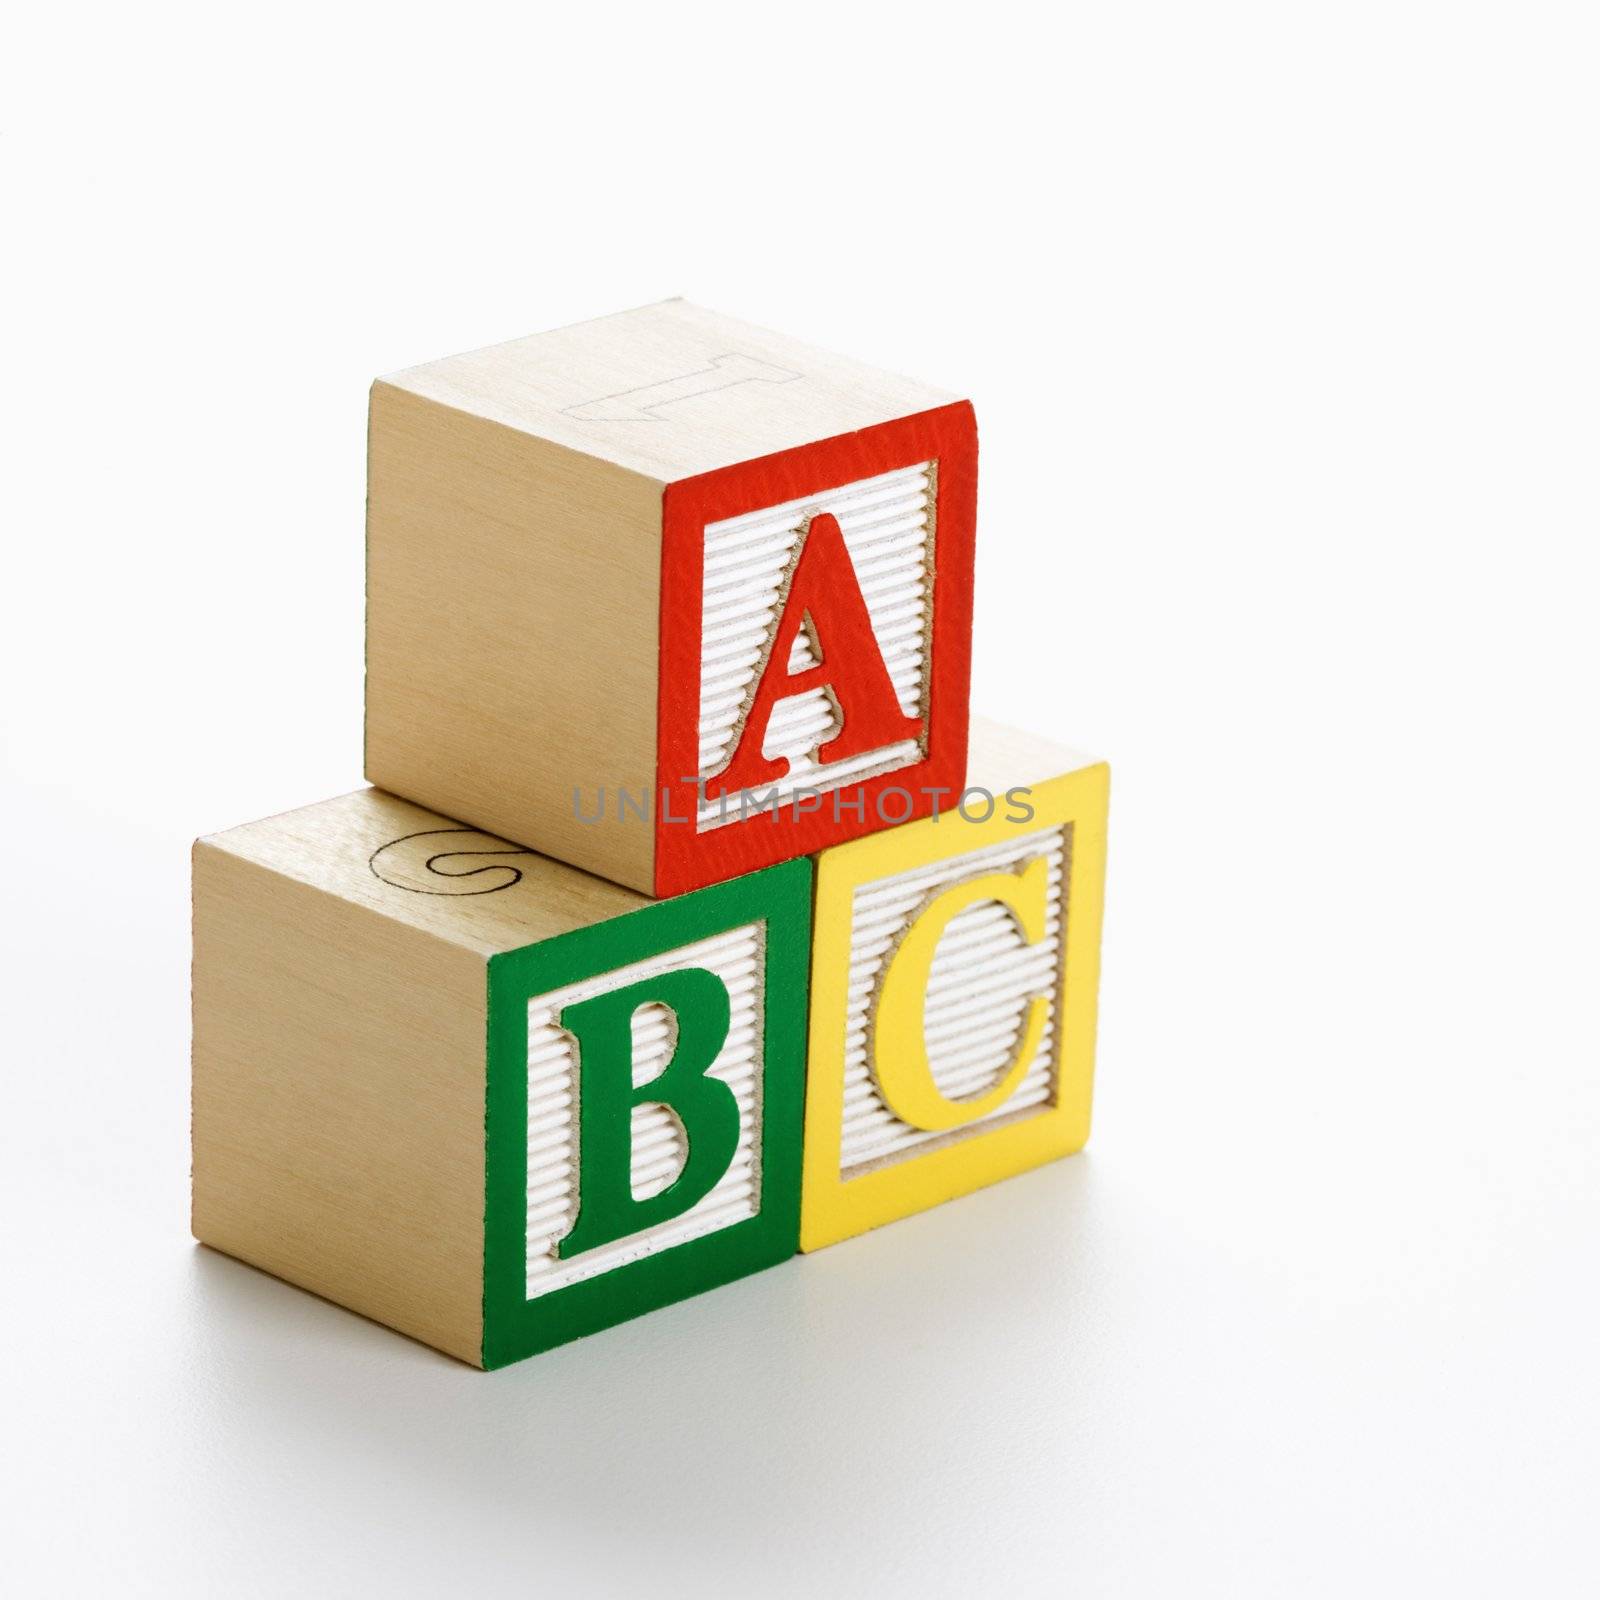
(816, 627)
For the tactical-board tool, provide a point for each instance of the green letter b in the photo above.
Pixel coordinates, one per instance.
(706, 1107)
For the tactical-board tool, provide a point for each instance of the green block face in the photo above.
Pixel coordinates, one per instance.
(645, 1085)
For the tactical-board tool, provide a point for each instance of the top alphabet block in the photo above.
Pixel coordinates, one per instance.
(667, 596)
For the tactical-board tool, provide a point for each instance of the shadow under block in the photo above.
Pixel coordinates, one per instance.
(955, 967)
(667, 565)
(421, 1063)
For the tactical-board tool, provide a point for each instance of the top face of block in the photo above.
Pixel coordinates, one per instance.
(425, 871)
(669, 391)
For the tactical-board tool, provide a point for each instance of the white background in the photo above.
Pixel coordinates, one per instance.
(1281, 322)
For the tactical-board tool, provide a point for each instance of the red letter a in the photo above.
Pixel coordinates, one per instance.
(824, 588)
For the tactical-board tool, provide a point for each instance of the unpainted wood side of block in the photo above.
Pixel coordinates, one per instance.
(513, 617)
(338, 1100)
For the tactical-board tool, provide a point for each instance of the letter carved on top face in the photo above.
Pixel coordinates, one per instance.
(647, 402)
(448, 861)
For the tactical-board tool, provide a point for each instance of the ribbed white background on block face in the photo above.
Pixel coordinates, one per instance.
(659, 1148)
(886, 523)
(983, 977)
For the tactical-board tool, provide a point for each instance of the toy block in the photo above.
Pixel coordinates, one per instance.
(955, 964)
(479, 1095)
(667, 596)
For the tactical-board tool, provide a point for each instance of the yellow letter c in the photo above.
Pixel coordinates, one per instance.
(899, 1043)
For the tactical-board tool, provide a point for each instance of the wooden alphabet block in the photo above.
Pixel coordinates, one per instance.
(481, 1096)
(667, 596)
(955, 964)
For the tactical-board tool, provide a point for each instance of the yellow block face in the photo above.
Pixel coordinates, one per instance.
(955, 966)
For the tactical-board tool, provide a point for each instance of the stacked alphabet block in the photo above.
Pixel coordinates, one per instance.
(777, 955)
